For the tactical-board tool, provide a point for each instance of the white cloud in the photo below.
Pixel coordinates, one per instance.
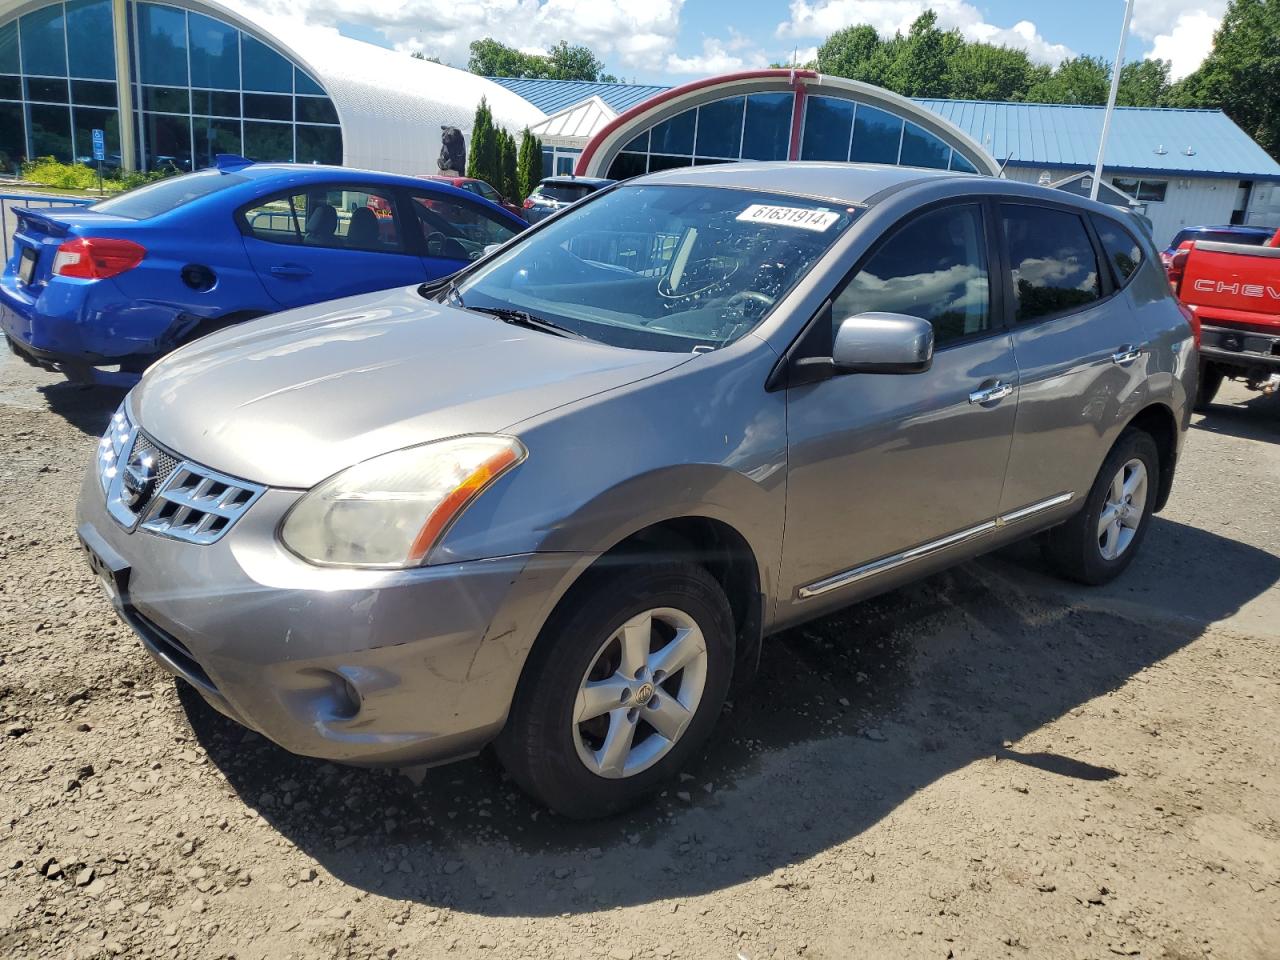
(1188, 42)
(821, 18)
(718, 56)
(626, 35)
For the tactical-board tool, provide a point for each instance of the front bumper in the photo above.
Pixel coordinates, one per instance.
(365, 667)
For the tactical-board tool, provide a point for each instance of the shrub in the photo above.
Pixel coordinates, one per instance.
(49, 172)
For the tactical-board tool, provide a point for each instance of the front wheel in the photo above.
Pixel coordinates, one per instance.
(1098, 543)
(623, 687)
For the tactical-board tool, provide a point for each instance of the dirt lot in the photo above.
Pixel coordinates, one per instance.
(986, 764)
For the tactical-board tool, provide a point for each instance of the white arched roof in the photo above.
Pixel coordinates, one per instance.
(391, 105)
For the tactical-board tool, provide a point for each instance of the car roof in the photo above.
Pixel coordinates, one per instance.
(846, 182)
(1230, 228)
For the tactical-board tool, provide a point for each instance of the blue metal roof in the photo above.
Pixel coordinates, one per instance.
(1027, 134)
(1143, 139)
(552, 96)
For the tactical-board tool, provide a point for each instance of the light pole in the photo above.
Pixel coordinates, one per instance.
(1111, 100)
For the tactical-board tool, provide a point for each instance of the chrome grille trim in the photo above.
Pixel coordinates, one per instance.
(199, 505)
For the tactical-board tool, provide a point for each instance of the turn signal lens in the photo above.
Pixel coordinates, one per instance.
(96, 258)
(391, 511)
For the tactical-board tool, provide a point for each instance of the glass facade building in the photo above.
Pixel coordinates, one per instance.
(199, 86)
(757, 126)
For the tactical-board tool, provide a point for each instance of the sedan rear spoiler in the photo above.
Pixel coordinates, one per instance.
(42, 221)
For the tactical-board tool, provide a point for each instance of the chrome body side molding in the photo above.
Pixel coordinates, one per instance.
(884, 564)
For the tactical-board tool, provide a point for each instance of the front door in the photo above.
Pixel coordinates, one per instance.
(1080, 349)
(882, 464)
(319, 243)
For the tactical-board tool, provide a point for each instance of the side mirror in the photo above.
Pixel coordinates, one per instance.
(883, 343)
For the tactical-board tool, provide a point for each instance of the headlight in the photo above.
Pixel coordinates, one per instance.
(390, 511)
(111, 446)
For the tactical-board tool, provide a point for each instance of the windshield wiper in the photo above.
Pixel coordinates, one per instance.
(522, 318)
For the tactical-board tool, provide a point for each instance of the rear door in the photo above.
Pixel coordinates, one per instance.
(451, 231)
(318, 243)
(1082, 354)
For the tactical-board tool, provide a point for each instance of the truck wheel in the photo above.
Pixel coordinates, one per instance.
(621, 690)
(1207, 385)
(1098, 543)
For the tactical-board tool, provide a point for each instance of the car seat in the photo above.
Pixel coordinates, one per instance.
(322, 223)
(363, 232)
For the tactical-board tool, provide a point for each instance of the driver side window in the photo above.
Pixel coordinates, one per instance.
(457, 230)
(934, 267)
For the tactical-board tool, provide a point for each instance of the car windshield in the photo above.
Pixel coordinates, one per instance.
(162, 196)
(661, 267)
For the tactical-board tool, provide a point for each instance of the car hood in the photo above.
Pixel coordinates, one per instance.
(291, 399)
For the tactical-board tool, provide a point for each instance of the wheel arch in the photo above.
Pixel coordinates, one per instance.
(1157, 420)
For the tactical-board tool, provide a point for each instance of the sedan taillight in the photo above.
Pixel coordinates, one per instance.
(96, 258)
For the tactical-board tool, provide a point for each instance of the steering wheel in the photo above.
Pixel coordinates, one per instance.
(740, 300)
(435, 243)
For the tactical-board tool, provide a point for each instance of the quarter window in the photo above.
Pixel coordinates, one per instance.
(1054, 267)
(457, 230)
(1124, 252)
(935, 267)
(335, 217)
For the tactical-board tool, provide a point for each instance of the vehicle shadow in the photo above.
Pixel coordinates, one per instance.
(87, 408)
(850, 717)
(1257, 418)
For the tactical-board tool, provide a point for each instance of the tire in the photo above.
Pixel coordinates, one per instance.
(1207, 385)
(565, 763)
(1081, 549)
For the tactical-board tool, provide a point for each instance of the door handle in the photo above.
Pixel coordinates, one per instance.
(992, 394)
(1126, 355)
(290, 271)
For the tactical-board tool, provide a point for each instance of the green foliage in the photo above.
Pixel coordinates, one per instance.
(506, 165)
(1081, 79)
(1241, 75)
(483, 156)
(1144, 83)
(528, 166)
(48, 172)
(981, 71)
(489, 58)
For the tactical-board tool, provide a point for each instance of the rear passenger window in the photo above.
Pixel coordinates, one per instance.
(456, 230)
(1124, 252)
(345, 219)
(935, 268)
(1054, 266)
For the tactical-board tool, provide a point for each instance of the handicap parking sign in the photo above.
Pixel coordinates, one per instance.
(99, 145)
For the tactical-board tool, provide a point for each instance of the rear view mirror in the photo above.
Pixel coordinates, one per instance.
(883, 343)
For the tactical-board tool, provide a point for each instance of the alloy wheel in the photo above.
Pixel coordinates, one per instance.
(640, 693)
(1123, 509)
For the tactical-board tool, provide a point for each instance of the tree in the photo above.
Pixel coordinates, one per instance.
(919, 63)
(483, 159)
(1144, 83)
(1082, 79)
(848, 52)
(490, 58)
(981, 71)
(528, 165)
(419, 55)
(506, 184)
(1241, 75)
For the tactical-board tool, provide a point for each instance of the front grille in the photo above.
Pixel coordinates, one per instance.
(165, 463)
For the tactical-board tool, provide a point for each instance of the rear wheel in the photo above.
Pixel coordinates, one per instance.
(1098, 543)
(624, 686)
(1207, 385)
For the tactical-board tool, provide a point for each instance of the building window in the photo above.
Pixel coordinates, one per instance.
(1148, 191)
(205, 88)
(756, 126)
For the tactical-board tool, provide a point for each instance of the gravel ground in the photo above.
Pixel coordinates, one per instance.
(986, 764)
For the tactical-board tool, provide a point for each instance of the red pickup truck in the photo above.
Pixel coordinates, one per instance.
(1233, 290)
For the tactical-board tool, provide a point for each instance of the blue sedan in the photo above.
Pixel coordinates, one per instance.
(119, 283)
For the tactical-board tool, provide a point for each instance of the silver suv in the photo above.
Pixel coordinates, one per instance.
(557, 503)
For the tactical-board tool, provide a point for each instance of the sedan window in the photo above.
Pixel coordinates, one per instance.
(457, 230)
(1054, 267)
(934, 268)
(335, 217)
(154, 199)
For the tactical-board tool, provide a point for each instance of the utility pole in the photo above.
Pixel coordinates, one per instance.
(1111, 100)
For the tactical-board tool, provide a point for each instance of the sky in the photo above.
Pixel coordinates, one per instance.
(671, 41)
